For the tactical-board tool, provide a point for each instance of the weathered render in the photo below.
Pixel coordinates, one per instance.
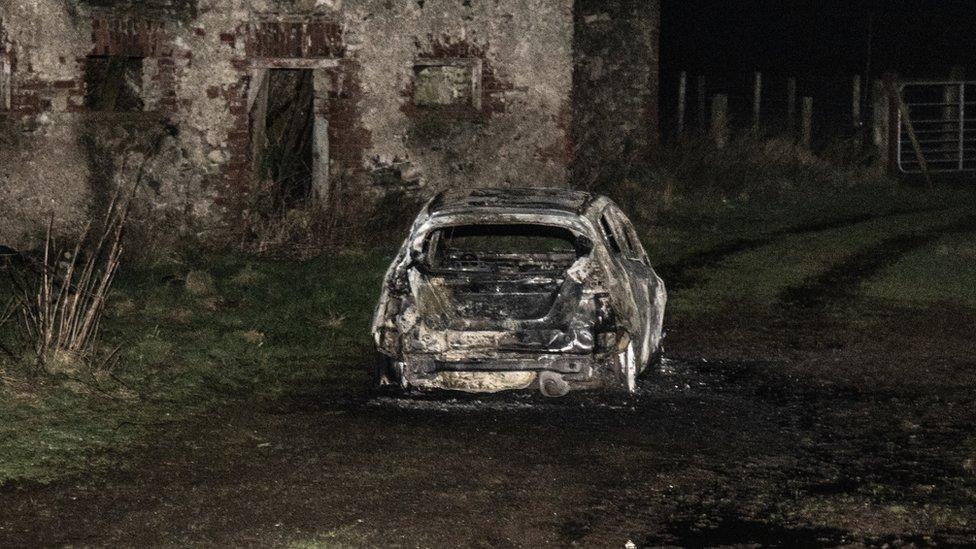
(615, 89)
(410, 96)
(587, 315)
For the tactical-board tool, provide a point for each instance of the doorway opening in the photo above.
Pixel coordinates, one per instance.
(283, 136)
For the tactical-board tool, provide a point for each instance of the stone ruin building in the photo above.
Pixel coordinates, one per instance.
(327, 101)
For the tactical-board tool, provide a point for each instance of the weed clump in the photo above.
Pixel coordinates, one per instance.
(695, 172)
(61, 296)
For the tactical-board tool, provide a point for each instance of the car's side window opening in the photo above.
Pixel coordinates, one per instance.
(628, 239)
(609, 234)
(639, 253)
(636, 249)
(626, 236)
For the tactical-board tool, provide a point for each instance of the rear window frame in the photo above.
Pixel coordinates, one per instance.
(433, 243)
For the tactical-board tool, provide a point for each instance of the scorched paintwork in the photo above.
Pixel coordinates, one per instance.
(587, 316)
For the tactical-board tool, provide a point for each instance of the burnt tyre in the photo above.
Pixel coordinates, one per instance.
(382, 373)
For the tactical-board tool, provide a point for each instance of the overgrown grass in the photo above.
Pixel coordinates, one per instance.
(199, 332)
(692, 197)
(259, 331)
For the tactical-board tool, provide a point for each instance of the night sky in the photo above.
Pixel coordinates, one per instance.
(823, 43)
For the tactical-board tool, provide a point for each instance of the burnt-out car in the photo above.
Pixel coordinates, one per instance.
(508, 289)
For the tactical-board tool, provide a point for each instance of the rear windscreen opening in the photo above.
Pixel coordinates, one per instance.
(489, 247)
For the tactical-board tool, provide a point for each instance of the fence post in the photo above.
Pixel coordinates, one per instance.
(951, 93)
(881, 119)
(720, 120)
(791, 105)
(954, 110)
(682, 96)
(894, 129)
(806, 139)
(916, 146)
(856, 101)
(702, 114)
(756, 103)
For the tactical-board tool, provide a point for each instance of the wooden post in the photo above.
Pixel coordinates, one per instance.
(894, 131)
(791, 105)
(953, 112)
(806, 139)
(856, 101)
(682, 96)
(951, 94)
(916, 146)
(720, 120)
(880, 119)
(702, 114)
(4, 82)
(756, 103)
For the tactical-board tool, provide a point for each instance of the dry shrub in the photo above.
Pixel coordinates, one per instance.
(60, 297)
(300, 232)
(273, 227)
(761, 167)
(7, 315)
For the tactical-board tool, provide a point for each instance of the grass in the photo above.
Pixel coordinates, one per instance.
(262, 325)
(261, 331)
(202, 332)
(941, 274)
(688, 227)
(757, 277)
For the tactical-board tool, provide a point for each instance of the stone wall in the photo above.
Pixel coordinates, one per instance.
(615, 88)
(199, 61)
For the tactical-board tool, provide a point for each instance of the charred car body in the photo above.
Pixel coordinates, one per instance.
(504, 289)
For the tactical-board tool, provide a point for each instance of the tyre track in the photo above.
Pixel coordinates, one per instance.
(679, 275)
(840, 283)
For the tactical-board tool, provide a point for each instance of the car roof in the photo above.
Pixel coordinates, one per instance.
(520, 199)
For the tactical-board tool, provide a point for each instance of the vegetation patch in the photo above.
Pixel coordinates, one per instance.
(197, 331)
(270, 331)
(940, 274)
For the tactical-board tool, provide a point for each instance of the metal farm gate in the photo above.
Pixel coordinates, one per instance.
(936, 127)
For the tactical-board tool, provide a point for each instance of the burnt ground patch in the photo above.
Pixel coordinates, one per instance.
(727, 530)
(708, 453)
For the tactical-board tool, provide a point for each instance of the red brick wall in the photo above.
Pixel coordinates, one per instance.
(279, 44)
(235, 179)
(123, 36)
(296, 40)
(111, 36)
(348, 139)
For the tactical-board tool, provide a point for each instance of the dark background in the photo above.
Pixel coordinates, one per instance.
(822, 43)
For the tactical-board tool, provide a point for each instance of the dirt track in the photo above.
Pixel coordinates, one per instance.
(798, 427)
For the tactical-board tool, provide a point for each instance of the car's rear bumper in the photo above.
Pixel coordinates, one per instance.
(506, 372)
(489, 345)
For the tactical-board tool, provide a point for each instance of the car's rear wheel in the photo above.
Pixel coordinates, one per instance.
(381, 371)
